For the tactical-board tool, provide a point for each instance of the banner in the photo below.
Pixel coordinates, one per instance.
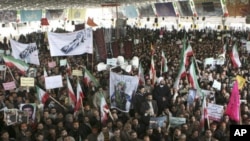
(52, 82)
(156, 122)
(184, 8)
(7, 16)
(30, 15)
(208, 8)
(146, 10)
(9, 85)
(215, 111)
(26, 52)
(122, 87)
(68, 44)
(165, 9)
(55, 14)
(27, 81)
(130, 11)
(176, 121)
(76, 14)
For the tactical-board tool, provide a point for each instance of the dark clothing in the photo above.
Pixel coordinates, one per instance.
(137, 101)
(159, 93)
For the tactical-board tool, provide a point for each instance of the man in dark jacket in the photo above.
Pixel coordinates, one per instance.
(162, 95)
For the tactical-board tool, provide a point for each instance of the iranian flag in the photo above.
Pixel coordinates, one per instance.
(42, 95)
(182, 70)
(164, 62)
(12, 62)
(88, 77)
(104, 108)
(141, 75)
(152, 72)
(68, 69)
(192, 77)
(71, 94)
(152, 49)
(187, 54)
(45, 74)
(204, 114)
(79, 97)
(234, 55)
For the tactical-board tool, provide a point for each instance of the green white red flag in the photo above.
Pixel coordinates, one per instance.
(42, 95)
(12, 62)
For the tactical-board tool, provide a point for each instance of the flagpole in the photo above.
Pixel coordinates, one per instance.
(161, 65)
(4, 75)
(58, 102)
(12, 75)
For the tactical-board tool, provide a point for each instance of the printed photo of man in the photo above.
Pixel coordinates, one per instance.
(30, 109)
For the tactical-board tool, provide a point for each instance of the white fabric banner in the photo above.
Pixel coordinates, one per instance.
(68, 44)
(122, 87)
(26, 52)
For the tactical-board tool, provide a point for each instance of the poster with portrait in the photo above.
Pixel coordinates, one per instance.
(30, 108)
(22, 117)
(10, 116)
(156, 122)
(122, 87)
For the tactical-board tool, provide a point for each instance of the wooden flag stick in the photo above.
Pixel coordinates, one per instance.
(12, 75)
(58, 102)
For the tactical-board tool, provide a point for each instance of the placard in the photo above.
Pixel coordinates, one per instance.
(112, 61)
(216, 85)
(77, 73)
(215, 111)
(2, 67)
(27, 81)
(63, 62)
(176, 121)
(51, 64)
(156, 122)
(52, 82)
(9, 85)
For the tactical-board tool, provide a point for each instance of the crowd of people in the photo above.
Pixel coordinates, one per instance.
(54, 122)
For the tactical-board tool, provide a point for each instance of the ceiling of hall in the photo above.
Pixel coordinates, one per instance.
(61, 4)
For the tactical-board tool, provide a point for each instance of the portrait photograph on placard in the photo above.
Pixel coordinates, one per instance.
(22, 116)
(10, 116)
(30, 108)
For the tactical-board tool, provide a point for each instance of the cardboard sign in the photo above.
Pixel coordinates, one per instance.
(176, 121)
(52, 82)
(27, 81)
(77, 73)
(9, 85)
(215, 111)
